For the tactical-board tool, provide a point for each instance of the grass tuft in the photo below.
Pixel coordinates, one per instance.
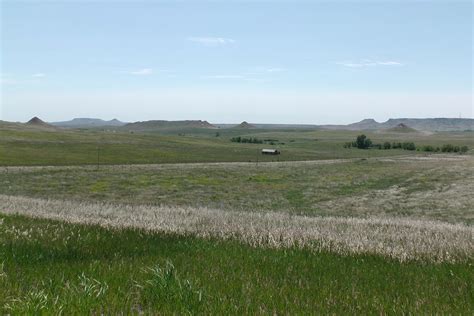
(165, 290)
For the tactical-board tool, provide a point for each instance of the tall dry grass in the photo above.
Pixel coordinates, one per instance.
(397, 238)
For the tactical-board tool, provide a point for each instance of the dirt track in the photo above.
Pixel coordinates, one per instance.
(243, 164)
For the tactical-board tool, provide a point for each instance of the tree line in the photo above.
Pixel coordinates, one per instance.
(363, 142)
(255, 140)
(252, 140)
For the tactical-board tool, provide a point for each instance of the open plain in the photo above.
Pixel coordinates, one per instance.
(196, 224)
(236, 157)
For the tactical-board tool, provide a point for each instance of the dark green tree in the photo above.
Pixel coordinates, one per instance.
(362, 142)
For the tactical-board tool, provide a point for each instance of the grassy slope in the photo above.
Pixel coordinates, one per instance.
(79, 269)
(26, 146)
(398, 188)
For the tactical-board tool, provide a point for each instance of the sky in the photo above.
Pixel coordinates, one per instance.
(309, 62)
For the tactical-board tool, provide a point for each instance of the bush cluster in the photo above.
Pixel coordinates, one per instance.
(252, 140)
(272, 141)
(447, 148)
(456, 149)
(362, 142)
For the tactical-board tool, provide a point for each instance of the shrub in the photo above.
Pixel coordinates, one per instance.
(387, 145)
(251, 140)
(396, 145)
(362, 142)
(447, 148)
(409, 146)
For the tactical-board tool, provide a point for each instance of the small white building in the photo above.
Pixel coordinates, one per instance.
(270, 152)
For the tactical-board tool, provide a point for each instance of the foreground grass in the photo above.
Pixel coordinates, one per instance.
(397, 238)
(51, 266)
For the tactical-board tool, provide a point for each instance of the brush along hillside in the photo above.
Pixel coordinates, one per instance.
(92, 222)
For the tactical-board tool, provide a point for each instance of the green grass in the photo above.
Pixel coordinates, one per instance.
(50, 266)
(79, 147)
(302, 188)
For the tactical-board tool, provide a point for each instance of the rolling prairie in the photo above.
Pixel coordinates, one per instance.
(20, 146)
(196, 224)
(436, 187)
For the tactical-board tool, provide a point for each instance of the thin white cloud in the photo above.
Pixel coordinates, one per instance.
(141, 72)
(352, 65)
(390, 63)
(370, 63)
(38, 75)
(223, 77)
(263, 71)
(211, 40)
(233, 78)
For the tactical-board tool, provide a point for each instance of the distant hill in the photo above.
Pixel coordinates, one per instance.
(421, 125)
(38, 123)
(160, 124)
(271, 126)
(244, 124)
(397, 125)
(432, 124)
(401, 128)
(8, 124)
(426, 124)
(367, 124)
(88, 123)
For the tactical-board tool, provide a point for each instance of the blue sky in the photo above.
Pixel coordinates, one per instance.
(272, 61)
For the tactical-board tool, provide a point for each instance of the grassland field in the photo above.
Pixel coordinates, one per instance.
(52, 261)
(20, 146)
(401, 186)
